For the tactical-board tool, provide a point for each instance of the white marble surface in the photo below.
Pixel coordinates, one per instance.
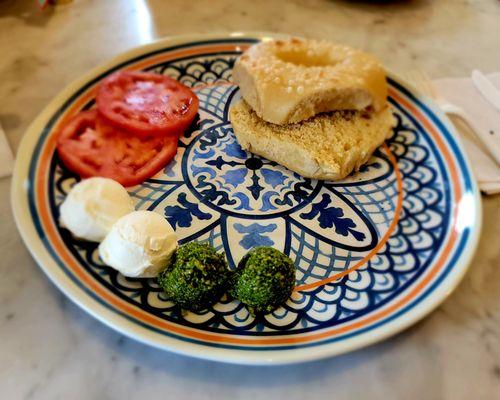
(50, 349)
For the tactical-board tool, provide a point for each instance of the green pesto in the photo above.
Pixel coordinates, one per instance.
(264, 280)
(196, 277)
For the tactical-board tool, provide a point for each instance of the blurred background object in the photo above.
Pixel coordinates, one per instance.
(44, 3)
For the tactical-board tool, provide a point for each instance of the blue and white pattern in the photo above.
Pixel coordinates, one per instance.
(217, 193)
(221, 173)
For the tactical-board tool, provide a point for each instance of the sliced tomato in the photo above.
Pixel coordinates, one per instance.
(146, 103)
(89, 146)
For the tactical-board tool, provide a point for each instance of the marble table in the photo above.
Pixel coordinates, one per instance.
(50, 349)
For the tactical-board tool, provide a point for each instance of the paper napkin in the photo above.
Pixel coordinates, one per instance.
(463, 93)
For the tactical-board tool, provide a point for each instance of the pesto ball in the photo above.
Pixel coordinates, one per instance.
(196, 277)
(264, 280)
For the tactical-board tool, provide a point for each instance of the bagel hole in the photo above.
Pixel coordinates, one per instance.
(305, 59)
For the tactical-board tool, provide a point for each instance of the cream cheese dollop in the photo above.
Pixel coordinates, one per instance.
(93, 206)
(140, 244)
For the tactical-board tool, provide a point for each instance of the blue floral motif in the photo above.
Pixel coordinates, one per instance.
(211, 193)
(272, 177)
(233, 149)
(203, 170)
(219, 162)
(204, 155)
(254, 235)
(244, 202)
(333, 216)
(266, 201)
(300, 192)
(211, 137)
(235, 177)
(183, 216)
(255, 188)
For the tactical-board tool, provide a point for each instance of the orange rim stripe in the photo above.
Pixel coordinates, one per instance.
(381, 243)
(184, 53)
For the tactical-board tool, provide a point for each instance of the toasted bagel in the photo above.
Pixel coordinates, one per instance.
(288, 81)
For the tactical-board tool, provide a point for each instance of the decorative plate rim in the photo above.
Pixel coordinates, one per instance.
(122, 324)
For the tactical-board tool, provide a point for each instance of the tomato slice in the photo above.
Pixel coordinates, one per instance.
(89, 146)
(146, 103)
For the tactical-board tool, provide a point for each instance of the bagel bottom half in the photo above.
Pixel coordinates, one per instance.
(328, 146)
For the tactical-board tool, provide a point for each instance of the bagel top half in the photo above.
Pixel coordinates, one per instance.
(288, 81)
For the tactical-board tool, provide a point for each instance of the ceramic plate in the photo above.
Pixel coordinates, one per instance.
(374, 253)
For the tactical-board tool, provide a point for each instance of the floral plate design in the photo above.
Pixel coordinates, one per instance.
(374, 252)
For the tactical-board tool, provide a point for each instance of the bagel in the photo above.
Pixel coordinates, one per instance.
(328, 146)
(287, 81)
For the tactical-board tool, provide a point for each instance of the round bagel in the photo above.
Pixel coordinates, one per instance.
(287, 81)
